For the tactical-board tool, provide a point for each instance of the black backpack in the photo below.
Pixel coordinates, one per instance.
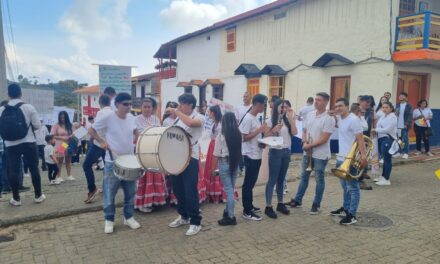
(13, 123)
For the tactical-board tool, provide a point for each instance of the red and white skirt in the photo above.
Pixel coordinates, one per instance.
(151, 190)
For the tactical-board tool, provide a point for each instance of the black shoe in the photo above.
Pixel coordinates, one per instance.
(252, 216)
(23, 189)
(348, 220)
(269, 212)
(315, 210)
(339, 212)
(256, 209)
(364, 186)
(294, 204)
(225, 214)
(225, 221)
(282, 209)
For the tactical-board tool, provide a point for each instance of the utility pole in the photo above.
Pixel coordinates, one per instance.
(3, 80)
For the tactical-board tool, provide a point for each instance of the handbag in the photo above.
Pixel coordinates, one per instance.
(428, 131)
(397, 145)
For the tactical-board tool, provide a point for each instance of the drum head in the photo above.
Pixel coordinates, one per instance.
(174, 150)
(128, 161)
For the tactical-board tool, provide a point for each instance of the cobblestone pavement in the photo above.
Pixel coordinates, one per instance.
(412, 202)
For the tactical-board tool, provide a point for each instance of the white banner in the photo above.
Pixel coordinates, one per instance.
(50, 119)
(118, 77)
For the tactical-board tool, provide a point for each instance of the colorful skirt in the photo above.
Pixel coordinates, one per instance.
(201, 185)
(151, 190)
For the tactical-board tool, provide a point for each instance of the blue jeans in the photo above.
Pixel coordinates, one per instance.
(279, 160)
(111, 186)
(351, 192)
(405, 138)
(93, 154)
(250, 178)
(385, 145)
(319, 168)
(187, 194)
(228, 180)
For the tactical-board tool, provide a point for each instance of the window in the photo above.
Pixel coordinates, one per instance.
(407, 7)
(188, 89)
(217, 92)
(340, 88)
(230, 40)
(253, 86)
(276, 86)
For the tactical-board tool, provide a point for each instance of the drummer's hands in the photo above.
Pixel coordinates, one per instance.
(170, 110)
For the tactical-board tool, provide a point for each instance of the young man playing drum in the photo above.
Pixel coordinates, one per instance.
(185, 184)
(120, 133)
(350, 131)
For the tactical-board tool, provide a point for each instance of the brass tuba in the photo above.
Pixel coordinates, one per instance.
(353, 160)
(309, 154)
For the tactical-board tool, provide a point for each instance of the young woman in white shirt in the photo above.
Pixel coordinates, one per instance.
(227, 154)
(282, 124)
(168, 117)
(386, 129)
(151, 189)
(422, 117)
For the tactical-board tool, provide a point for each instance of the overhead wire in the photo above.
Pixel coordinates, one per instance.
(12, 39)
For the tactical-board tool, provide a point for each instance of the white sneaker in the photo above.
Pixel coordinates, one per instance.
(418, 153)
(381, 178)
(193, 230)
(381, 161)
(286, 191)
(396, 155)
(70, 178)
(146, 209)
(54, 182)
(14, 202)
(60, 179)
(40, 199)
(405, 156)
(108, 229)
(383, 182)
(133, 224)
(178, 222)
(429, 154)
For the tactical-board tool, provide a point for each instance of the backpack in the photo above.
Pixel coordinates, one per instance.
(13, 123)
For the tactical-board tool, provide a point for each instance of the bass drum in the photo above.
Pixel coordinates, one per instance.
(164, 149)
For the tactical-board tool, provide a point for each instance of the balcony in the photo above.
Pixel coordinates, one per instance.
(418, 39)
(167, 73)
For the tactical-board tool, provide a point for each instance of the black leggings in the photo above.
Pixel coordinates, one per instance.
(421, 136)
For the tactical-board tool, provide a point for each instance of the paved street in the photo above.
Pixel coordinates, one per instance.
(411, 202)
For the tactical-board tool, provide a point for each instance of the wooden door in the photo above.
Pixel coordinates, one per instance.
(253, 86)
(340, 88)
(415, 86)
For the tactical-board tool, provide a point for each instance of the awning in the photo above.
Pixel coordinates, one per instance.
(325, 59)
(248, 70)
(213, 82)
(196, 82)
(273, 70)
(183, 84)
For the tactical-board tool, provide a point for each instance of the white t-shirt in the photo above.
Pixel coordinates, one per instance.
(401, 120)
(425, 113)
(194, 132)
(241, 110)
(348, 128)
(305, 110)
(41, 134)
(118, 134)
(48, 152)
(315, 126)
(168, 122)
(102, 114)
(284, 133)
(250, 148)
(221, 148)
(379, 114)
(387, 126)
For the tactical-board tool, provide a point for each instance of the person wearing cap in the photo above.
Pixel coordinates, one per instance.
(41, 134)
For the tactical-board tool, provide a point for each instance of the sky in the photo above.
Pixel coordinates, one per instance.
(52, 40)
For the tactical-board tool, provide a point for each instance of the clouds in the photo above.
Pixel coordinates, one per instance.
(189, 15)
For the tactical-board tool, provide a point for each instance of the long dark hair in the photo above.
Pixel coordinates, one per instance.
(233, 139)
(275, 116)
(215, 109)
(169, 104)
(67, 124)
(379, 105)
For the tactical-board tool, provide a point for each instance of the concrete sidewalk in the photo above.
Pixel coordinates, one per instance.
(67, 198)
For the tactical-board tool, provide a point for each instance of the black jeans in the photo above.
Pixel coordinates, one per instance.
(83, 149)
(421, 136)
(52, 171)
(93, 154)
(252, 168)
(41, 154)
(30, 157)
(187, 194)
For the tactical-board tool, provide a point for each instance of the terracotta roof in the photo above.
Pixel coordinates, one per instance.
(169, 48)
(94, 89)
(213, 82)
(183, 84)
(144, 77)
(196, 82)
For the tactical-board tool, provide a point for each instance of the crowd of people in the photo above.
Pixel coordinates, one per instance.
(234, 146)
